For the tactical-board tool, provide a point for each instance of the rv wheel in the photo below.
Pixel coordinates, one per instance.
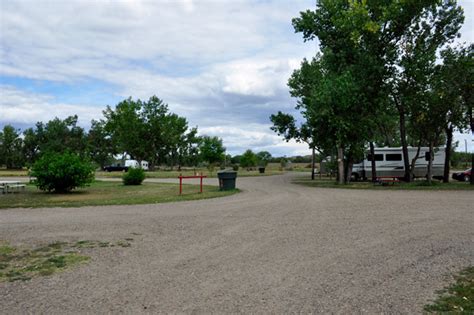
(467, 178)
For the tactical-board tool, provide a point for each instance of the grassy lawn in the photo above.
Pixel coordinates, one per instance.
(417, 185)
(175, 174)
(109, 193)
(458, 298)
(23, 263)
(161, 173)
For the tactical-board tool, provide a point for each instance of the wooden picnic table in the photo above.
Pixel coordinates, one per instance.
(7, 186)
(385, 180)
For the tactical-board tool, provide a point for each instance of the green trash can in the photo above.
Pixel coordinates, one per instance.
(226, 179)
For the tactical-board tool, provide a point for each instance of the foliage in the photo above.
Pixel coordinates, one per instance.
(99, 144)
(248, 159)
(211, 150)
(62, 172)
(458, 298)
(263, 158)
(376, 62)
(134, 176)
(10, 148)
(147, 131)
(60, 136)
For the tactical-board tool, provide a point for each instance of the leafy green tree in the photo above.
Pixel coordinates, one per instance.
(433, 26)
(248, 159)
(146, 130)
(211, 150)
(60, 136)
(99, 144)
(30, 148)
(263, 158)
(371, 53)
(62, 172)
(11, 148)
(127, 129)
(452, 88)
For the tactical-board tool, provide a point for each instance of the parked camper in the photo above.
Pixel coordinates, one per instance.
(389, 162)
(135, 164)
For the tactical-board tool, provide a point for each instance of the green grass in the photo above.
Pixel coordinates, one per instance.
(175, 174)
(109, 193)
(417, 185)
(25, 263)
(270, 170)
(458, 298)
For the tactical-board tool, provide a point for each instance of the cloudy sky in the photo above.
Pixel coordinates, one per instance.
(221, 64)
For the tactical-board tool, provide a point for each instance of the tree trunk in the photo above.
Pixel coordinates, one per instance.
(340, 164)
(372, 163)
(472, 168)
(403, 138)
(349, 164)
(413, 161)
(447, 159)
(312, 163)
(472, 132)
(430, 163)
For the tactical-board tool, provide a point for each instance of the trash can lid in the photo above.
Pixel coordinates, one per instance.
(226, 171)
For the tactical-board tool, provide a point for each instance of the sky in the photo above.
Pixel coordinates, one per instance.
(223, 65)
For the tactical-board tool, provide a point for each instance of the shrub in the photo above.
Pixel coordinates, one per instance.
(235, 167)
(62, 172)
(134, 176)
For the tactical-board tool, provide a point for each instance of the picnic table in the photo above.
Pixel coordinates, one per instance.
(7, 186)
(385, 180)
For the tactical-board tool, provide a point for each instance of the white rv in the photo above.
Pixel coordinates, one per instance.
(389, 162)
(135, 164)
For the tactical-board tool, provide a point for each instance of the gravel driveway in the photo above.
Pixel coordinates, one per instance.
(275, 247)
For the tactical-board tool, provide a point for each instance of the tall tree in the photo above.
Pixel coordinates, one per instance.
(146, 130)
(435, 24)
(10, 147)
(211, 150)
(61, 135)
(248, 159)
(99, 144)
(30, 148)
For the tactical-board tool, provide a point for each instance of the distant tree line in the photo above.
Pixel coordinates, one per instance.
(387, 74)
(141, 130)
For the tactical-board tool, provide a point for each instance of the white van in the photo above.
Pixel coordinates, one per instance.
(134, 164)
(389, 162)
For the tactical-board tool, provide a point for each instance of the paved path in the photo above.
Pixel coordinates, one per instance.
(275, 247)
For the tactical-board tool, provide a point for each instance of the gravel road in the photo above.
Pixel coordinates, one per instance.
(274, 248)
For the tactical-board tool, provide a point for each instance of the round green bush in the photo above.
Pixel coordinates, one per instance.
(134, 176)
(62, 172)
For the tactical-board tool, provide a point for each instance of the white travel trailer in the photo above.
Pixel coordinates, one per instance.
(389, 162)
(135, 164)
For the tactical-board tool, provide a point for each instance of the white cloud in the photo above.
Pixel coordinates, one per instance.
(22, 108)
(256, 138)
(222, 64)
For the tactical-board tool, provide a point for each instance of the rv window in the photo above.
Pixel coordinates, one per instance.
(427, 156)
(378, 157)
(393, 157)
